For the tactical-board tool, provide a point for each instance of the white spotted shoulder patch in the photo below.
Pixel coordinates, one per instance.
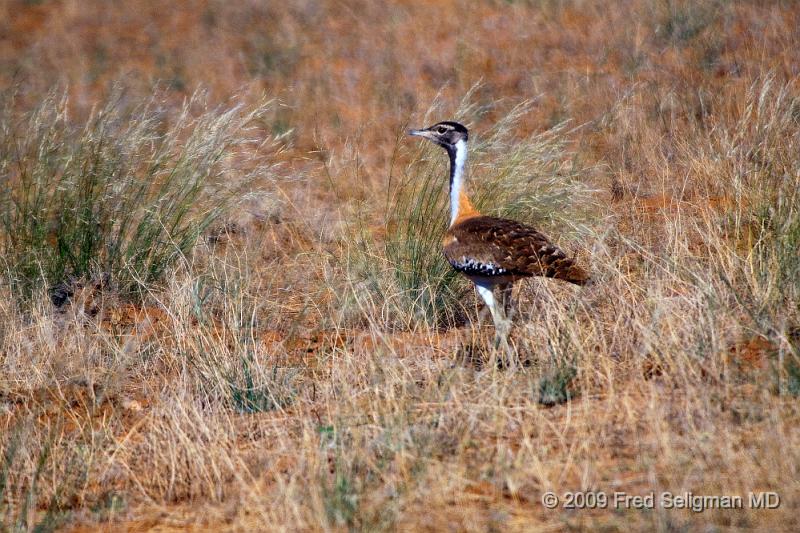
(473, 266)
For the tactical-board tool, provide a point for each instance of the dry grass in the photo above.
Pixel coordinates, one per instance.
(283, 374)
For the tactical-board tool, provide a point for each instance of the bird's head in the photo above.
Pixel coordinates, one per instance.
(446, 134)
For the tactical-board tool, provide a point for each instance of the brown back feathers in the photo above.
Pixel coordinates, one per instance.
(489, 247)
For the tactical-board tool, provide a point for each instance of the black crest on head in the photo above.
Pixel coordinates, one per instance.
(446, 134)
(456, 127)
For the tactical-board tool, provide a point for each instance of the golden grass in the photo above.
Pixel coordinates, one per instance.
(267, 386)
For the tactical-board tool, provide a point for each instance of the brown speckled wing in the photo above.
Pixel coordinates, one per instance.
(489, 246)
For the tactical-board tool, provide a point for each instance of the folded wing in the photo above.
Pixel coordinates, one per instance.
(489, 247)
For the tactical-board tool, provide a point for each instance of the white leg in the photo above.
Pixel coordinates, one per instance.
(487, 294)
(482, 314)
(501, 323)
(506, 293)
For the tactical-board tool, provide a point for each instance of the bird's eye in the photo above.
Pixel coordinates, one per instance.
(441, 129)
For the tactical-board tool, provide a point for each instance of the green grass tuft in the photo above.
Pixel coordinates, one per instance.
(125, 195)
(247, 396)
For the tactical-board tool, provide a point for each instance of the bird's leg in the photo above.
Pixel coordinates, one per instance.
(482, 315)
(502, 326)
(506, 297)
(505, 321)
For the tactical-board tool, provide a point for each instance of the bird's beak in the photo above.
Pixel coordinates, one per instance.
(421, 133)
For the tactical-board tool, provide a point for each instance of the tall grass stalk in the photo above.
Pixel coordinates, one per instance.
(124, 195)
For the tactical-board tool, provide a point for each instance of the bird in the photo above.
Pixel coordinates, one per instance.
(493, 252)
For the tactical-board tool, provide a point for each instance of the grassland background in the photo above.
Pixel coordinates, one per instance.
(302, 366)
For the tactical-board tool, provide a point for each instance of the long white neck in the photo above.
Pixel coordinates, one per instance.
(458, 160)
